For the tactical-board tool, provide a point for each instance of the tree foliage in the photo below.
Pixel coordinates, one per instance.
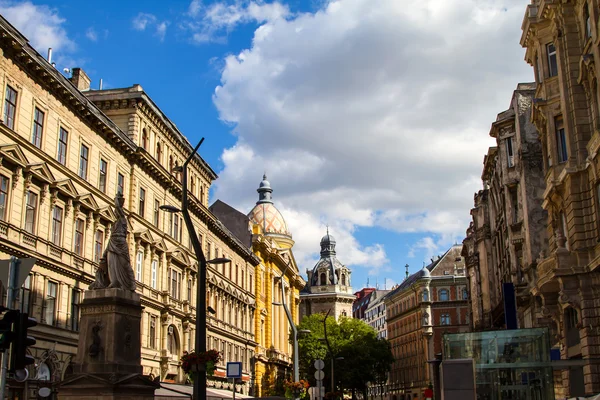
(365, 357)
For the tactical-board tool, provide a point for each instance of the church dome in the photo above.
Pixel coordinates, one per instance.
(266, 214)
(329, 270)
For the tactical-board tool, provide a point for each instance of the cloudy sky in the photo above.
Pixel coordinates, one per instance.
(370, 116)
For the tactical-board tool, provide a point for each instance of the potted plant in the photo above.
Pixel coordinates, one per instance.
(296, 390)
(194, 362)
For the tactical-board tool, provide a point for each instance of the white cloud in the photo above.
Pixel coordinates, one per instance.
(212, 23)
(144, 21)
(41, 24)
(370, 114)
(91, 34)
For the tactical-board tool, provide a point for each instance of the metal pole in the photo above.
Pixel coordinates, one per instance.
(200, 343)
(13, 275)
(328, 346)
(292, 325)
(234, 388)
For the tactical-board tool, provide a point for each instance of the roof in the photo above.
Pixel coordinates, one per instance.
(237, 222)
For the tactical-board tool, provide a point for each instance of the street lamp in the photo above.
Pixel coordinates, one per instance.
(291, 322)
(330, 351)
(200, 342)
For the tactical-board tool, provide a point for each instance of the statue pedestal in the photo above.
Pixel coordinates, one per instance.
(108, 361)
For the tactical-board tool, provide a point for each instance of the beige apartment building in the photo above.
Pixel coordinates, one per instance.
(65, 151)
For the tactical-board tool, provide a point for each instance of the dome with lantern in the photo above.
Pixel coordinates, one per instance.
(329, 270)
(265, 214)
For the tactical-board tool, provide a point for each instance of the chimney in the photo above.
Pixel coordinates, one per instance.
(50, 55)
(80, 79)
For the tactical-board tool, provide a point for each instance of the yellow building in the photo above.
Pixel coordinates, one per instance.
(272, 243)
(65, 151)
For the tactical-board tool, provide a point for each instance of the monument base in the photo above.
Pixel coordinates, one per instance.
(108, 362)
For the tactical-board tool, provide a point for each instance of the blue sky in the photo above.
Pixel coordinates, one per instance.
(371, 117)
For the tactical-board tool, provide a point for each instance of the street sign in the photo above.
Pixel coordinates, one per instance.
(24, 268)
(319, 364)
(234, 369)
(319, 375)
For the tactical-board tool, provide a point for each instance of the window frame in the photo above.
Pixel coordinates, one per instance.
(562, 150)
(10, 106)
(84, 159)
(510, 152)
(441, 294)
(445, 319)
(121, 183)
(98, 245)
(37, 133)
(153, 273)
(139, 265)
(50, 300)
(156, 213)
(75, 309)
(31, 212)
(102, 175)
(552, 59)
(142, 202)
(62, 150)
(152, 332)
(4, 196)
(79, 236)
(57, 224)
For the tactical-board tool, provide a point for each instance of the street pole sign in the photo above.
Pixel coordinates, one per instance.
(234, 371)
(319, 375)
(24, 267)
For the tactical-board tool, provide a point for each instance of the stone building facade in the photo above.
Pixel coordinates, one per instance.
(65, 152)
(425, 306)
(328, 288)
(561, 42)
(508, 228)
(375, 314)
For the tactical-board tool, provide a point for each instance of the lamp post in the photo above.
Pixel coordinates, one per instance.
(200, 342)
(326, 340)
(291, 322)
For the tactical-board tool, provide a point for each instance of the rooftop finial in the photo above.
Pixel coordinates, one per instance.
(406, 266)
(327, 225)
(264, 191)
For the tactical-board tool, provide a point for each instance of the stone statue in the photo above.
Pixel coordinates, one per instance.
(114, 270)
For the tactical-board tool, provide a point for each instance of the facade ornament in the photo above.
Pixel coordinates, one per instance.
(28, 180)
(114, 269)
(68, 206)
(15, 177)
(43, 193)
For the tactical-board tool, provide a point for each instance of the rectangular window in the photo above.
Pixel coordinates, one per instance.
(175, 284)
(83, 161)
(38, 128)
(514, 199)
(561, 140)
(50, 303)
(189, 290)
(63, 138)
(98, 244)
(103, 172)
(120, 183)
(152, 335)
(3, 197)
(31, 212)
(142, 204)
(445, 319)
(156, 212)
(154, 272)
(79, 229)
(75, 309)
(138, 266)
(510, 152)
(26, 295)
(10, 107)
(175, 227)
(57, 218)
(552, 63)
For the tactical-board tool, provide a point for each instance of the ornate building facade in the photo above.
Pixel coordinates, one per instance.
(508, 228)
(272, 243)
(65, 152)
(328, 287)
(561, 42)
(425, 306)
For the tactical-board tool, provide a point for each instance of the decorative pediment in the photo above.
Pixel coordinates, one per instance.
(66, 187)
(108, 214)
(87, 201)
(13, 154)
(180, 257)
(160, 246)
(41, 172)
(145, 236)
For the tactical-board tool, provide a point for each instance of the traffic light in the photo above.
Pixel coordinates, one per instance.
(19, 359)
(7, 325)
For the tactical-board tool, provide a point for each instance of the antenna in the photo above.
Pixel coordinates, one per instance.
(384, 283)
(376, 284)
(367, 282)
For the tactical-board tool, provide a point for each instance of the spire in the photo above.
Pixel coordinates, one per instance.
(264, 191)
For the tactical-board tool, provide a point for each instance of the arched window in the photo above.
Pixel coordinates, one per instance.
(344, 279)
(465, 294)
(145, 139)
(172, 340)
(425, 295)
(571, 322)
(444, 295)
(158, 153)
(323, 279)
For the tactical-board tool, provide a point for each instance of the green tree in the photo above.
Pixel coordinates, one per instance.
(365, 357)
